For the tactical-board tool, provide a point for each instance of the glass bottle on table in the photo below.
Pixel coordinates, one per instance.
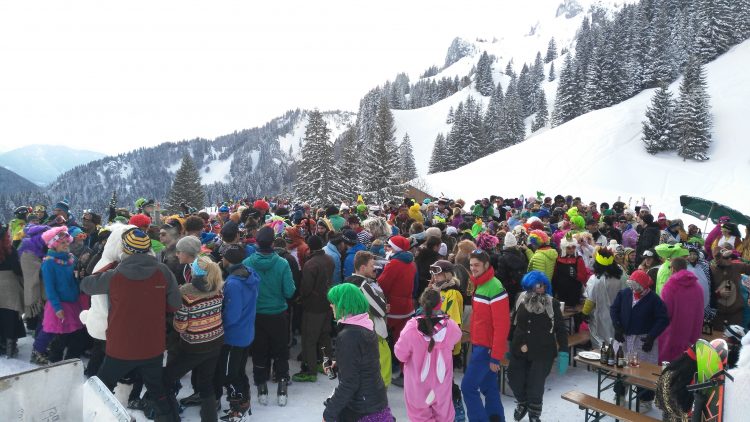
(603, 353)
(620, 357)
(611, 360)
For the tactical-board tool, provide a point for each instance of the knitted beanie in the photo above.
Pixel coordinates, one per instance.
(135, 241)
(54, 236)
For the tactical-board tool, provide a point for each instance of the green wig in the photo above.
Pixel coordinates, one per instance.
(348, 300)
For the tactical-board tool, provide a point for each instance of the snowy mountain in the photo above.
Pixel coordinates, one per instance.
(49, 161)
(11, 182)
(600, 156)
(250, 162)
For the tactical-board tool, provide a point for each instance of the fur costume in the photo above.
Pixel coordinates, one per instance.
(95, 318)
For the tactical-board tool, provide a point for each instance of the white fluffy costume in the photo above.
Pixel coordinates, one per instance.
(736, 393)
(95, 318)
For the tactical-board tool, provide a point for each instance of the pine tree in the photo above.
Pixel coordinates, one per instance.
(551, 51)
(449, 119)
(348, 165)
(381, 160)
(693, 115)
(493, 129)
(513, 127)
(658, 128)
(186, 187)
(439, 155)
(566, 101)
(537, 71)
(484, 82)
(408, 168)
(552, 74)
(318, 179)
(542, 114)
(715, 32)
(509, 68)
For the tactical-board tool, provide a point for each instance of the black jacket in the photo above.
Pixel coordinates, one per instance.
(361, 390)
(649, 238)
(424, 259)
(511, 266)
(533, 330)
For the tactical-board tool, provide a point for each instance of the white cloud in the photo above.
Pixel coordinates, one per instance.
(112, 76)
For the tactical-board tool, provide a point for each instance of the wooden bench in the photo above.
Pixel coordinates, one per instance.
(596, 409)
(576, 341)
(634, 384)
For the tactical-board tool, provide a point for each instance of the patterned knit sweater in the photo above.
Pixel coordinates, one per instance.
(199, 318)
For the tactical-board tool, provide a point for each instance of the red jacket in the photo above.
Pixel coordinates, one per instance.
(490, 317)
(141, 292)
(397, 282)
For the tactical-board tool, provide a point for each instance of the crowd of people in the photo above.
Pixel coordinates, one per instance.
(394, 295)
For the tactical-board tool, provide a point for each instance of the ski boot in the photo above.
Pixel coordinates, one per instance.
(535, 412)
(238, 408)
(191, 400)
(460, 412)
(263, 394)
(281, 397)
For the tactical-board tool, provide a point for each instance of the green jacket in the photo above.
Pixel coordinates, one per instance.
(543, 260)
(276, 283)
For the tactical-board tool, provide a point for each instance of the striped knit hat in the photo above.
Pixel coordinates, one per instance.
(135, 241)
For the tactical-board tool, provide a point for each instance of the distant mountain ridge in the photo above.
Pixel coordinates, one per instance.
(49, 161)
(11, 183)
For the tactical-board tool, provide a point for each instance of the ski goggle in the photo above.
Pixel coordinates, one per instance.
(435, 269)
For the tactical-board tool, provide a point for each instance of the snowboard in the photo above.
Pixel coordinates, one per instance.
(710, 359)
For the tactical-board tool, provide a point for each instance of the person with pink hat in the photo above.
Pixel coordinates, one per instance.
(63, 306)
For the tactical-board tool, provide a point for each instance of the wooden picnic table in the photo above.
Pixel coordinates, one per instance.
(644, 376)
(569, 312)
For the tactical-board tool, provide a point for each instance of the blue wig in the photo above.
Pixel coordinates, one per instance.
(533, 278)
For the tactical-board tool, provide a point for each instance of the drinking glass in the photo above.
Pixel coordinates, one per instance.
(633, 359)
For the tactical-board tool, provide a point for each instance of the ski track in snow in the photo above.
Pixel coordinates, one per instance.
(306, 399)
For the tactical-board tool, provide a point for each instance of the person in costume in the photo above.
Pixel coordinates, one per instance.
(539, 336)
(601, 290)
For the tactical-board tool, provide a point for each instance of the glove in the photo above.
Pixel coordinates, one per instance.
(648, 343)
(562, 362)
(619, 335)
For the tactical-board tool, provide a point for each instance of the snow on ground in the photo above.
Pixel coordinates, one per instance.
(215, 171)
(600, 156)
(306, 399)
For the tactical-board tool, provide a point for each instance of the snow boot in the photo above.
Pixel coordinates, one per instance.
(263, 394)
(521, 410)
(39, 358)
(281, 397)
(208, 409)
(11, 348)
(191, 400)
(305, 376)
(398, 381)
(458, 405)
(535, 412)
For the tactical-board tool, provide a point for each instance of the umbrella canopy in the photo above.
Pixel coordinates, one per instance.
(706, 209)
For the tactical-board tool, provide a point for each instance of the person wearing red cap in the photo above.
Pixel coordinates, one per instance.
(398, 281)
(639, 317)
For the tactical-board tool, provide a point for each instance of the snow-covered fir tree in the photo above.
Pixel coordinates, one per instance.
(551, 51)
(714, 34)
(493, 124)
(318, 179)
(513, 127)
(658, 128)
(484, 82)
(348, 164)
(693, 115)
(566, 101)
(380, 160)
(552, 74)
(449, 118)
(542, 113)
(509, 68)
(439, 155)
(408, 169)
(186, 187)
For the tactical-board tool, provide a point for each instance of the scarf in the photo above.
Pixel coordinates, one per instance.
(61, 258)
(487, 276)
(536, 304)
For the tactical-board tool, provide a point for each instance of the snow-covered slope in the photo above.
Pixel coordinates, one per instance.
(49, 161)
(600, 157)
(521, 35)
